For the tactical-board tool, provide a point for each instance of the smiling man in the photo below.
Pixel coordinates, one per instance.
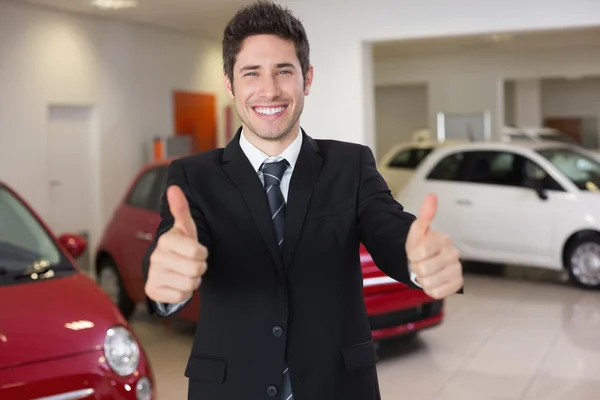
(268, 231)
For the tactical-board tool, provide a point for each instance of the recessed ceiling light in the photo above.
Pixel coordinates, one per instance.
(113, 4)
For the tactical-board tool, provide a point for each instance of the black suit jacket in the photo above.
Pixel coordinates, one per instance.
(259, 311)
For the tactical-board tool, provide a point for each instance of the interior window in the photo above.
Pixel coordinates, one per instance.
(448, 169)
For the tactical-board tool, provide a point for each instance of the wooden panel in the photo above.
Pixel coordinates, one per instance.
(196, 114)
(570, 126)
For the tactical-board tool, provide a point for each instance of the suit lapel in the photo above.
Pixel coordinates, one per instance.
(300, 192)
(240, 171)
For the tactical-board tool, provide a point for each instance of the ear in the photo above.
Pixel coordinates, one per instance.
(308, 80)
(228, 86)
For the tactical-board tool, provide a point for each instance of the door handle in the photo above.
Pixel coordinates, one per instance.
(144, 236)
(463, 202)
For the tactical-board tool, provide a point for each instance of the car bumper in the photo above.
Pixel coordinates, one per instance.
(84, 376)
(399, 312)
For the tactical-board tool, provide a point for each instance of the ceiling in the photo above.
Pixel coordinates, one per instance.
(203, 17)
(209, 17)
(519, 41)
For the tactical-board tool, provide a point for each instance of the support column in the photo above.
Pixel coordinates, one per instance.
(528, 103)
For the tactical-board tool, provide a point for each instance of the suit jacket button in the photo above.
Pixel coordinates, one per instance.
(272, 390)
(277, 331)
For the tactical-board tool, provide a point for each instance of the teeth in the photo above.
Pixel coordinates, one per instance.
(269, 110)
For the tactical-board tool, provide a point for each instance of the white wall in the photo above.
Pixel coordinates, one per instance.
(509, 103)
(399, 111)
(471, 81)
(341, 100)
(568, 98)
(571, 98)
(126, 72)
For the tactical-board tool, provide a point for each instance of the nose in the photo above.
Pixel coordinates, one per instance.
(269, 87)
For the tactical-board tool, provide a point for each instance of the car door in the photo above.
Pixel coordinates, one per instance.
(443, 179)
(500, 218)
(142, 218)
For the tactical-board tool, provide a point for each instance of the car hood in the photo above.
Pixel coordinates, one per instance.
(52, 319)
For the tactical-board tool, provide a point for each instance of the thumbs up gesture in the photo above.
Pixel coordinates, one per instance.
(179, 260)
(433, 258)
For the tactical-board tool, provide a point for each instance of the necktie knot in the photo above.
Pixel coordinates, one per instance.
(273, 172)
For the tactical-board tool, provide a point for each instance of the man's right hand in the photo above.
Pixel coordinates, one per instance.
(179, 260)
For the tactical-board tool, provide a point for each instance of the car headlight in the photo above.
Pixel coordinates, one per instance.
(121, 350)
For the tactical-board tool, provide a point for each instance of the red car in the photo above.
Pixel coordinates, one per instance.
(60, 336)
(393, 308)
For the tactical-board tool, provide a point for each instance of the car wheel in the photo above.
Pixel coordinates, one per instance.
(111, 283)
(582, 260)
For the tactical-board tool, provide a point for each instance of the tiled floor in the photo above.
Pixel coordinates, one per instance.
(506, 339)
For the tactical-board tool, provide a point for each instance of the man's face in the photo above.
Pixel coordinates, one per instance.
(268, 86)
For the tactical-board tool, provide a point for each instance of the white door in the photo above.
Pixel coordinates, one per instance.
(500, 219)
(69, 169)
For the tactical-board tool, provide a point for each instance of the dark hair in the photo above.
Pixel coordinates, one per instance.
(264, 17)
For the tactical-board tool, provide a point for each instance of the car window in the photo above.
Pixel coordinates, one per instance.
(401, 159)
(502, 168)
(582, 170)
(448, 168)
(159, 189)
(23, 240)
(409, 158)
(141, 195)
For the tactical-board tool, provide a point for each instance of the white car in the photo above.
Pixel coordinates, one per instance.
(510, 134)
(535, 203)
(399, 163)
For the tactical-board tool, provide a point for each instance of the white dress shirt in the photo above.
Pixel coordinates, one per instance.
(257, 157)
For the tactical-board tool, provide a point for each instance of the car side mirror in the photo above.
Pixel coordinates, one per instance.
(74, 244)
(534, 176)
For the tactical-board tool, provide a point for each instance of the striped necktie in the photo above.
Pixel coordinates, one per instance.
(272, 174)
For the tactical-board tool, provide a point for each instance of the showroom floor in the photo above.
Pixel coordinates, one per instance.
(507, 338)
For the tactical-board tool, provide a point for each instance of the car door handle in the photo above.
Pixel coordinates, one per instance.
(144, 236)
(463, 202)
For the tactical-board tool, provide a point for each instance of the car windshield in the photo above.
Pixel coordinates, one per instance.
(582, 170)
(25, 246)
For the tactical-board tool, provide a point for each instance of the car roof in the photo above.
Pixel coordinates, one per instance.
(425, 144)
(530, 130)
(163, 162)
(500, 145)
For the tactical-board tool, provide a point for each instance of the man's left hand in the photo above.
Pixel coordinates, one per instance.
(432, 256)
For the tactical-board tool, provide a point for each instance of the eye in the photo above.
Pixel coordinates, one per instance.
(250, 74)
(285, 72)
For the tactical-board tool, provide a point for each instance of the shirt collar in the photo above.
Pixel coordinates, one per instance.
(257, 157)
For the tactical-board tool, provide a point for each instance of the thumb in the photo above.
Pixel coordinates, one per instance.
(420, 227)
(180, 209)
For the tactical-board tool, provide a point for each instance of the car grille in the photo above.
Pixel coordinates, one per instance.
(403, 317)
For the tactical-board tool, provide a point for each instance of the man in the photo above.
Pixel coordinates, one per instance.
(268, 231)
